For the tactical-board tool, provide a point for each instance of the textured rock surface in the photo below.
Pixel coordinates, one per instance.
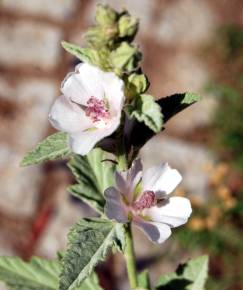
(28, 43)
(56, 9)
(186, 22)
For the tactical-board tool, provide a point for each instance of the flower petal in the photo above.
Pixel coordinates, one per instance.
(81, 143)
(156, 232)
(114, 207)
(174, 212)
(127, 180)
(68, 117)
(85, 82)
(161, 179)
(114, 91)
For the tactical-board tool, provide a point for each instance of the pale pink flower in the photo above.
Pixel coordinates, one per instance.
(143, 198)
(90, 107)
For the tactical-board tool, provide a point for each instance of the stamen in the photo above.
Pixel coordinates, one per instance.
(147, 200)
(97, 110)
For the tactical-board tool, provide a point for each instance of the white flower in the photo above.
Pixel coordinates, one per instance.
(90, 107)
(143, 198)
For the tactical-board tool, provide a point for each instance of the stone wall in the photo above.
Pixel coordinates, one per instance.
(35, 210)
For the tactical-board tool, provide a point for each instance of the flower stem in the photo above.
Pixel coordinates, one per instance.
(130, 258)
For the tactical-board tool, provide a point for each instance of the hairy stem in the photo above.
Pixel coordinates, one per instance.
(130, 258)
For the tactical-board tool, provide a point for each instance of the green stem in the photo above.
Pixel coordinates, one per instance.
(130, 258)
(129, 248)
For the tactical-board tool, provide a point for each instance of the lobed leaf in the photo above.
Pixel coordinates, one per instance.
(53, 147)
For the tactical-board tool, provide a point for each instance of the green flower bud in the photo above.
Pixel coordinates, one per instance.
(105, 15)
(127, 26)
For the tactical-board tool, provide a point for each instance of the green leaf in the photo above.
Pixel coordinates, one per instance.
(174, 104)
(148, 111)
(88, 243)
(144, 281)
(189, 276)
(137, 84)
(94, 174)
(53, 147)
(196, 271)
(84, 54)
(90, 283)
(125, 57)
(139, 133)
(38, 274)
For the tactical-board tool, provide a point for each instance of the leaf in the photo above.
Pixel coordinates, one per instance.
(125, 57)
(174, 104)
(189, 276)
(84, 54)
(139, 133)
(88, 243)
(38, 274)
(53, 147)
(197, 271)
(148, 111)
(93, 175)
(137, 84)
(143, 280)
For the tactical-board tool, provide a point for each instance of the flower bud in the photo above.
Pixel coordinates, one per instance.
(127, 26)
(105, 15)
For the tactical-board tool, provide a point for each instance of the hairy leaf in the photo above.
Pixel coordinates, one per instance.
(189, 276)
(125, 57)
(93, 174)
(84, 54)
(89, 241)
(136, 84)
(148, 111)
(53, 147)
(38, 274)
(139, 133)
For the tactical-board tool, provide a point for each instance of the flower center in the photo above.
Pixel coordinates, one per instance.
(147, 200)
(97, 110)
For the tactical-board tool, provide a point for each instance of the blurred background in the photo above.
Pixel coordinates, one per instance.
(188, 45)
